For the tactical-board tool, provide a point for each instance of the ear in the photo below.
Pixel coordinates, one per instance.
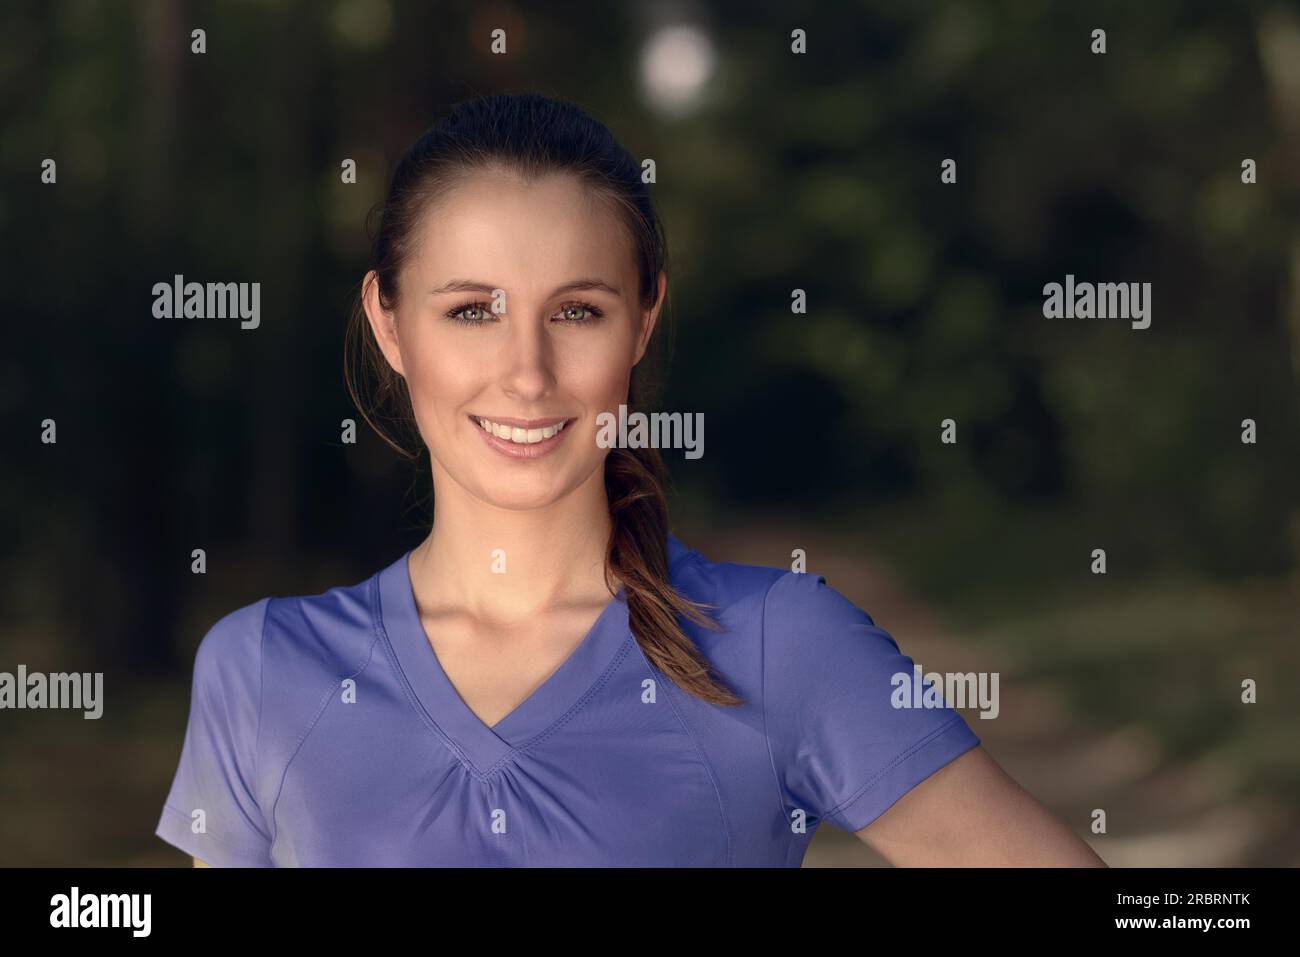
(649, 318)
(383, 323)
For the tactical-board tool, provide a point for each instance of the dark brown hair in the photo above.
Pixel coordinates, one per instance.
(534, 135)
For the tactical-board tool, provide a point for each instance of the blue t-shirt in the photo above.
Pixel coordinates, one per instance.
(323, 732)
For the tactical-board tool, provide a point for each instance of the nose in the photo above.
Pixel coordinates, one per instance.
(529, 368)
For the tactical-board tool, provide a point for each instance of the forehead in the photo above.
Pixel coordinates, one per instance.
(525, 235)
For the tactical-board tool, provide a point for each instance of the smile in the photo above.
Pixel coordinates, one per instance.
(521, 438)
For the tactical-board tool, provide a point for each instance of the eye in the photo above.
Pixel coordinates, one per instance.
(577, 313)
(476, 313)
(479, 311)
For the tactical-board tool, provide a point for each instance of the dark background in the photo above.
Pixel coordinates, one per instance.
(776, 171)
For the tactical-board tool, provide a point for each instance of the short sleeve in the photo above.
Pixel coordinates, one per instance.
(212, 811)
(842, 749)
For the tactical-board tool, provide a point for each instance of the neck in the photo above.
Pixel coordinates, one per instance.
(507, 565)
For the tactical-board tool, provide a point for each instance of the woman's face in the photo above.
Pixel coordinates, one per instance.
(553, 351)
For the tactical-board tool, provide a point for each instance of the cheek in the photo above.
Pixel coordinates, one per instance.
(438, 372)
(596, 366)
(597, 378)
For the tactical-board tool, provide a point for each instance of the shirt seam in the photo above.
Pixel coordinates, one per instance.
(689, 554)
(671, 690)
(306, 733)
(762, 693)
(226, 842)
(897, 760)
(261, 695)
(591, 692)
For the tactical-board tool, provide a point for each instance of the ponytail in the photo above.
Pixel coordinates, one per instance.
(638, 557)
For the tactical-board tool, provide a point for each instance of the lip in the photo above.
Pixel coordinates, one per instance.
(515, 450)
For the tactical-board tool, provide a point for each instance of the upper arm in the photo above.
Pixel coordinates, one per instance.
(972, 813)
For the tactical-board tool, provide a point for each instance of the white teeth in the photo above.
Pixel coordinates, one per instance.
(522, 436)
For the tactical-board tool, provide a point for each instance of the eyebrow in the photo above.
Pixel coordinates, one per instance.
(471, 285)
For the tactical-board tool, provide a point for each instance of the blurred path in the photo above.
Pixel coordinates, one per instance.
(1158, 813)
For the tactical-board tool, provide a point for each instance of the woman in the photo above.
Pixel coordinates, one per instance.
(551, 677)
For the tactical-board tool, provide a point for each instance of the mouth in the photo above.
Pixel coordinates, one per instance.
(521, 438)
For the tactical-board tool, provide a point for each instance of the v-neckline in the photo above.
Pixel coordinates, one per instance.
(481, 746)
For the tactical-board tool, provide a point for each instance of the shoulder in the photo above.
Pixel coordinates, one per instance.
(229, 654)
(786, 604)
(818, 644)
(332, 632)
(801, 628)
(802, 607)
(812, 640)
(287, 637)
(735, 591)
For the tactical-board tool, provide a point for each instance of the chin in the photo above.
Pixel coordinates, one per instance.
(520, 499)
(507, 488)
